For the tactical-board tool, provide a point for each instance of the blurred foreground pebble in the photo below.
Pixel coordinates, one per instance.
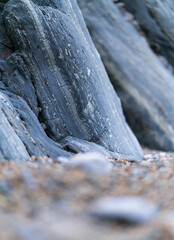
(126, 209)
(93, 163)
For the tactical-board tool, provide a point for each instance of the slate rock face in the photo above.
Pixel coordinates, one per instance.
(21, 133)
(156, 20)
(56, 71)
(144, 86)
(11, 146)
(76, 145)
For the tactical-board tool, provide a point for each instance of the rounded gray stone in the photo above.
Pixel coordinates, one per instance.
(128, 209)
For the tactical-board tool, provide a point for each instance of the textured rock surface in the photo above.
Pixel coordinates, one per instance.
(56, 69)
(152, 16)
(77, 145)
(143, 84)
(21, 133)
(11, 147)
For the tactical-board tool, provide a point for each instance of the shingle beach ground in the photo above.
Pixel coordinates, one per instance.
(43, 200)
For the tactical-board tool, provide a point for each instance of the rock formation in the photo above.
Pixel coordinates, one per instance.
(143, 84)
(55, 93)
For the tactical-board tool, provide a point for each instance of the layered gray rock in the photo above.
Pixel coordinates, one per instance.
(21, 135)
(156, 20)
(143, 84)
(54, 77)
(11, 146)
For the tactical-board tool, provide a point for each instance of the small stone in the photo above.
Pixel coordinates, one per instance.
(126, 209)
(162, 154)
(156, 156)
(5, 188)
(63, 160)
(146, 163)
(91, 163)
(28, 178)
(150, 160)
(148, 156)
(137, 172)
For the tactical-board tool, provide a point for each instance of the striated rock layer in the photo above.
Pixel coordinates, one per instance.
(54, 78)
(145, 87)
(155, 18)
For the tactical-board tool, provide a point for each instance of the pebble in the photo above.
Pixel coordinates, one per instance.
(28, 178)
(91, 163)
(137, 172)
(162, 154)
(148, 156)
(5, 188)
(156, 156)
(63, 160)
(125, 209)
(146, 163)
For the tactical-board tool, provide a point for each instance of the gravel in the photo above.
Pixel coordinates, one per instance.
(46, 199)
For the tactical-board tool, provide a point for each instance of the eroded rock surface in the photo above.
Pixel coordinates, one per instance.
(143, 84)
(54, 67)
(152, 16)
